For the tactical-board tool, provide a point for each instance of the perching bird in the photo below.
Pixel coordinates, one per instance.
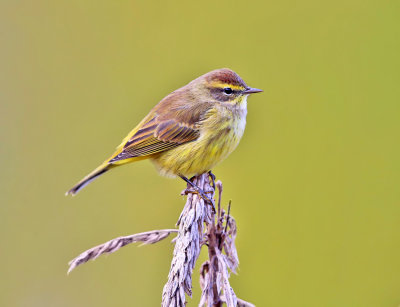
(189, 131)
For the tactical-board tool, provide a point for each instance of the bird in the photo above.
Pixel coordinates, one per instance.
(188, 132)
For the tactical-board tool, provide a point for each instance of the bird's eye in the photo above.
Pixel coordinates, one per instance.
(228, 90)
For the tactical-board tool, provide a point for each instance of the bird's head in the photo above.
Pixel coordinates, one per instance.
(223, 85)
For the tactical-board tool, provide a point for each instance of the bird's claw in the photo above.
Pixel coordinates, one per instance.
(202, 194)
(198, 191)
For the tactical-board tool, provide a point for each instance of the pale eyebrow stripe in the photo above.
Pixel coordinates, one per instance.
(234, 87)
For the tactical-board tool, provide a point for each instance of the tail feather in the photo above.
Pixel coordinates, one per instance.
(88, 179)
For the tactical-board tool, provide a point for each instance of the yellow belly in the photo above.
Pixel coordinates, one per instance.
(213, 146)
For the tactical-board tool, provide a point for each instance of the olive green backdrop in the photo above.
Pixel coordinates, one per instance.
(314, 183)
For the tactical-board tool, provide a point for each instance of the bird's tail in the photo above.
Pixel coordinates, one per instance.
(89, 178)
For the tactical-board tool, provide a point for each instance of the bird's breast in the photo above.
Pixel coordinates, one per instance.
(220, 134)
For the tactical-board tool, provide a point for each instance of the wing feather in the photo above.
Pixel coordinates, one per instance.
(174, 121)
(155, 137)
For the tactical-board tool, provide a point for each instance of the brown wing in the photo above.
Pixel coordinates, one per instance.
(157, 136)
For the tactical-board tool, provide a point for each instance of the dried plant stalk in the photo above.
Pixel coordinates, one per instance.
(198, 225)
(187, 245)
(113, 245)
(214, 273)
(242, 303)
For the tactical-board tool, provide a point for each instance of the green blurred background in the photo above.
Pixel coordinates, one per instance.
(314, 182)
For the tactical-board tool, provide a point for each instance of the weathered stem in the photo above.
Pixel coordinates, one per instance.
(214, 273)
(214, 268)
(219, 235)
(113, 245)
(188, 244)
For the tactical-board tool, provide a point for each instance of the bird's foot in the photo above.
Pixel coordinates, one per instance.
(194, 189)
(201, 193)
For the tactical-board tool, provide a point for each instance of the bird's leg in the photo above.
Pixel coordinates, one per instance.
(212, 176)
(197, 190)
(189, 188)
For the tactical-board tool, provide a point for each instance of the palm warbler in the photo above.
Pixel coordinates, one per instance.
(189, 131)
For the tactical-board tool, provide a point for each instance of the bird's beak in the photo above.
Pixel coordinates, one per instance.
(251, 90)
